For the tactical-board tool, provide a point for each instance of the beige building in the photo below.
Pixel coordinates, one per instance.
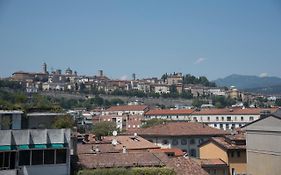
(263, 146)
(230, 149)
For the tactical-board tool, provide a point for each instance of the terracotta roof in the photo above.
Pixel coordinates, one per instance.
(212, 163)
(185, 166)
(133, 159)
(234, 111)
(133, 143)
(177, 151)
(181, 129)
(128, 108)
(221, 141)
(169, 112)
(90, 148)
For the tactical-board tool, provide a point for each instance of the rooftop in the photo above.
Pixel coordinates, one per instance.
(169, 112)
(185, 166)
(176, 151)
(10, 112)
(226, 144)
(233, 111)
(132, 159)
(128, 108)
(181, 129)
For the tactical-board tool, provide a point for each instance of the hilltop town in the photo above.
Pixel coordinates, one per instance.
(213, 131)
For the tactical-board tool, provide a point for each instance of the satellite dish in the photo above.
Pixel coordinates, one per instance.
(114, 133)
(114, 142)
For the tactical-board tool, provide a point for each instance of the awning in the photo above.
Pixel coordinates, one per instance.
(39, 146)
(23, 147)
(57, 145)
(5, 148)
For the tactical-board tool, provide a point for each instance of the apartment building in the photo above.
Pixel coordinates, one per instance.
(126, 110)
(183, 135)
(263, 145)
(218, 118)
(230, 149)
(35, 151)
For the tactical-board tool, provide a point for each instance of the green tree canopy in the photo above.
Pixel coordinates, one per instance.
(63, 122)
(103, 129)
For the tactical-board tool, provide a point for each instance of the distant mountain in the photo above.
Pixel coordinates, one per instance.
(271, 90)
(248, 82)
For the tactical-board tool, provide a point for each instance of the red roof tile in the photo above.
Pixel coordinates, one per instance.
(128, 108)
(169, 112)
(181, 129)
(177, 151)
(185, 166)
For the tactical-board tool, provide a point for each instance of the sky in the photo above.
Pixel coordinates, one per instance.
(146, 37)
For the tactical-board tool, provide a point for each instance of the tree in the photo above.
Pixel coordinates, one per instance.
(198, 102)
(63, 122)
(278, 102)
(103, 129)
(153, 122)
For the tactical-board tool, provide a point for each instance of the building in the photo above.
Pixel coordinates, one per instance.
(129, 123)
(214, 166)
(126, 110)
(263, 145)
(10, 119)
(174, 79)
(183, 135)
(228, 118)
(230, 149)
(33, 152)
(167, 114)
(161, 88)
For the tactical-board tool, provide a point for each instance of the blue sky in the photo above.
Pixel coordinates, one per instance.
(146, 37)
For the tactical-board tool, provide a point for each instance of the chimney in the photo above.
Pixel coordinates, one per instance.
(124, 149)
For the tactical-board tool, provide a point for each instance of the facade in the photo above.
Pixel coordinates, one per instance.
(167, 114)
(230, 149)
(33, 152)
(126, 110)
(129, 123)
(10, 119)
(263, 146)
(225, 119)
(183, 135)
(161, 88)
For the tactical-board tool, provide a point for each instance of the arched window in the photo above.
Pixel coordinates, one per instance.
(165, 142)
(183, 141)
(175, 142)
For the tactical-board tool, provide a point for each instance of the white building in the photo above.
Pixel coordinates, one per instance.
(217, 118)
(126, 110)
(34, 152)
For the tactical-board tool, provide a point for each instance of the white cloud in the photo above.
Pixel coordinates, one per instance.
(200, 60)
(124, 77)
(264, 74)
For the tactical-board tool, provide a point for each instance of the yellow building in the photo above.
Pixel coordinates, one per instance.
(231, 149)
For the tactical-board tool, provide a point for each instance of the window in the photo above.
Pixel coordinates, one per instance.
(37, 157)
(217, 118)
(175, 142)
(242, 118)
(251, 118)
(192, 153)
(194, 118)
(238, 153)
(24, 158)
(165, 142)
(192, 141)
(232, 154)
(221, 126)
(60, 156)
(201, 140)
(183, 141)
(49, 156)
(208, 118)
(227, 126)
(228, 118)
(215, 125)
(7, 160)
(222, 118)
